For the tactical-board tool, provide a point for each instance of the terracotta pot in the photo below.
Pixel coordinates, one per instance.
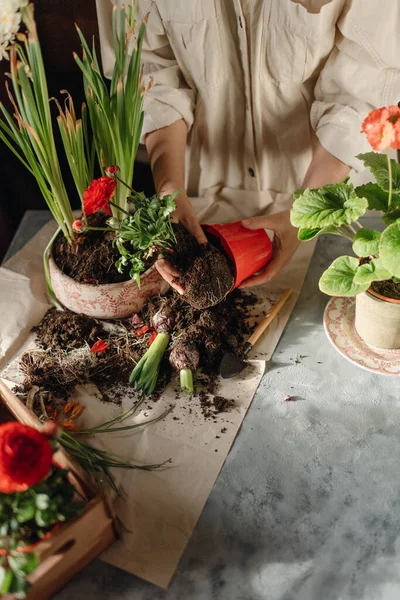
(105, 301)
(249, 250)
(377, 320)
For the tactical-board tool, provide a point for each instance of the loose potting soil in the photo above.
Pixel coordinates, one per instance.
(206, 273)
(91, 257)
(389, 289)
(64, 358)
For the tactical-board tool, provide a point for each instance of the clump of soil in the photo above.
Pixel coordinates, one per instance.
(64, 359)
(91, 257)
(206, 273)
(389, 289)
(213, 331)
(63, 330)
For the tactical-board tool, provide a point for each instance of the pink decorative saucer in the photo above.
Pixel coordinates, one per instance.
(339, 326)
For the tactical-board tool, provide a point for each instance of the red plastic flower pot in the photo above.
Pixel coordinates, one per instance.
(249, 249)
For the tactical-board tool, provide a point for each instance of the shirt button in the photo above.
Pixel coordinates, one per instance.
(251, 171)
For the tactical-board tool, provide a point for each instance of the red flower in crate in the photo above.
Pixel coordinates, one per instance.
(98, 195)
(25, 457)
(99, 346)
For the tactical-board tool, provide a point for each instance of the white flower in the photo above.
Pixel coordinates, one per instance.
(10, 20)
(3, 51)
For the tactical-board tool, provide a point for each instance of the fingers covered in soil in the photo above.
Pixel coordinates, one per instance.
(206, 273)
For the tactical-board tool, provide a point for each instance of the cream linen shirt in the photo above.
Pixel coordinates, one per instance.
(255, 80)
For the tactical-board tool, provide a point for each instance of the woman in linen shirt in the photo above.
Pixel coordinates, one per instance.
(255, 98)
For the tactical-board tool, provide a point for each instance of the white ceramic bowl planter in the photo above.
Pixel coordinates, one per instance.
(378, 320)
(105, 301)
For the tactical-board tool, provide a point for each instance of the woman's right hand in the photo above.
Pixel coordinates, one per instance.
(185, 215)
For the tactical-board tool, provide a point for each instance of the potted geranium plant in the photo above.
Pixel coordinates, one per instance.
(115, 113)
(373, 274)
(35, 498)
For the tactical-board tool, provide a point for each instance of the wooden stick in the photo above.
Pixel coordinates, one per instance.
(261, 327)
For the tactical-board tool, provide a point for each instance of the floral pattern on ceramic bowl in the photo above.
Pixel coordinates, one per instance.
(106, 301)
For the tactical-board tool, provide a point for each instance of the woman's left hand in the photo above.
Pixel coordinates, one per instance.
(285, 245)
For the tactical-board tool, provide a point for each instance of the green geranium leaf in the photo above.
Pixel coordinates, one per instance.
(332, 205)
(391, 217)
(378, 165)
(305, 235)
(389, 249)
(372, 271)
(377, 197)
(338, 280)
(366, 242)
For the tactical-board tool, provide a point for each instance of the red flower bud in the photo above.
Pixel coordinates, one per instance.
(99, 346)
(98, 195)
(77, 225)
(112, 170)
(25, 457)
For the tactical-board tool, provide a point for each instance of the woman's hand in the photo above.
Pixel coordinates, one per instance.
(185, 215)
(285, 245)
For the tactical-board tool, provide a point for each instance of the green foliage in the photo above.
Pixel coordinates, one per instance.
(13, 572)
(306, 235)
(25, 517)
(334, 208)
(145, 375)
(145, 233)
(378, 165)
(378, 199)
(371, 271)
(116, 109)
(332, 205)
(389, 249)
(366, 242)
(338, 279)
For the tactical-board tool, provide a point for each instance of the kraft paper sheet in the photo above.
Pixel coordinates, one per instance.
(160, 508)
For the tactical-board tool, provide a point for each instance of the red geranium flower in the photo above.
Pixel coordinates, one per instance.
(382, 127)
(394, 118)
(99, 346)
(379, 130)
(77, 225)
(98, 195)
(25, 457)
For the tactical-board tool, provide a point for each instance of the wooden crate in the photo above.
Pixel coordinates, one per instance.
(76, 542)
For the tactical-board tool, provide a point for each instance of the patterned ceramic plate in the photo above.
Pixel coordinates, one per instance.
(339, 327)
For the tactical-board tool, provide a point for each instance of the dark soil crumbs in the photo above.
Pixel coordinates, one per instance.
(92, 257)
(65, 360)
(206, 272)
(390, 289)
(60, 330)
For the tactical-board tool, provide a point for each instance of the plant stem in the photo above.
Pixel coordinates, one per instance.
(345, 235)
(349, 231)
(125, 184)
(390, 178)
(359, 225)
(186, 378)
